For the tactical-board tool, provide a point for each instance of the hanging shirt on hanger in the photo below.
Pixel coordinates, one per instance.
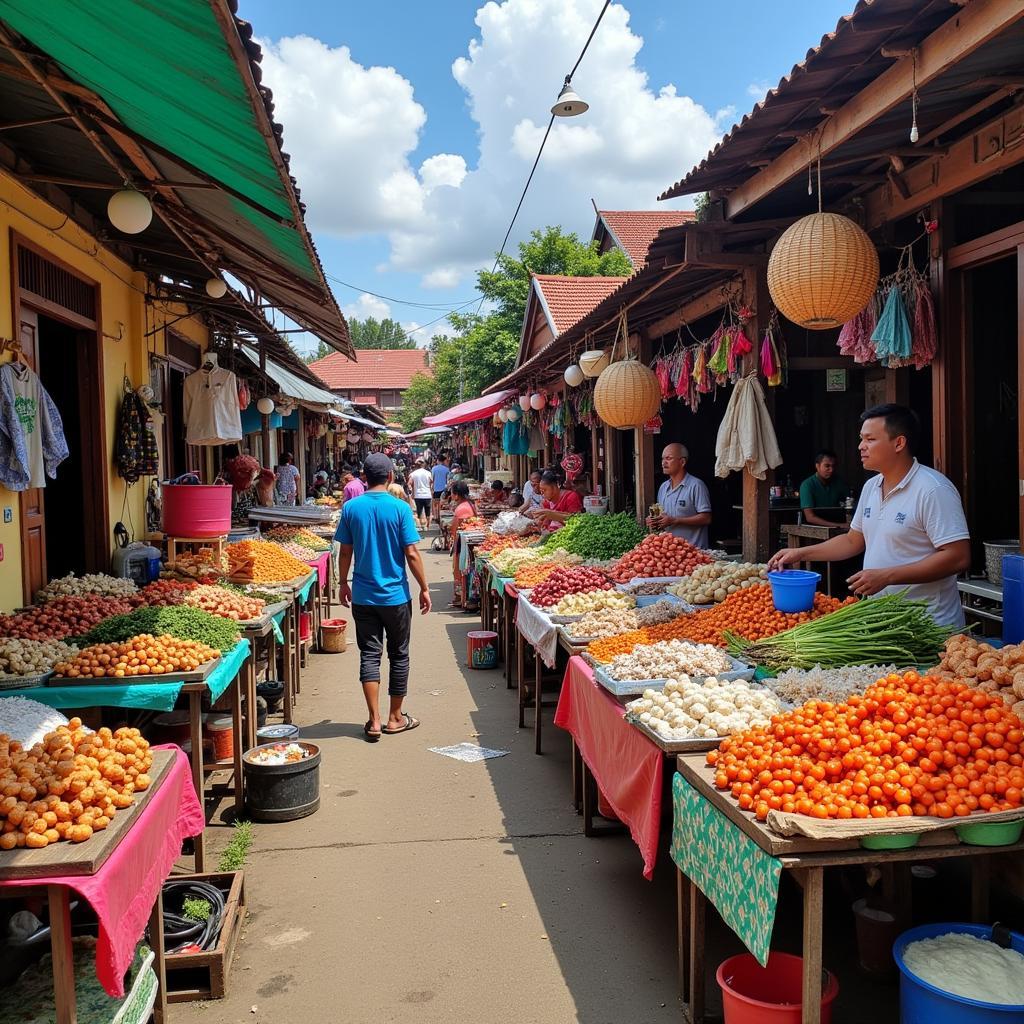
(212, 415)
(32, 443)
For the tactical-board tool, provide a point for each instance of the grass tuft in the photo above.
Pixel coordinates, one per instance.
(235, 853)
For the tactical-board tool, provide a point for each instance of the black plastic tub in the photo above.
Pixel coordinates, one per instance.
(282, 792)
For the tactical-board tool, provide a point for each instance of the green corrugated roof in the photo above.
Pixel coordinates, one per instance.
(165, 68)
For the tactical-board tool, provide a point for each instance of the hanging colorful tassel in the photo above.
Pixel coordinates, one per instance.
(769, 361)
(685, 374)
(892, 332)
(741, 346)
(925, 343)
(664, 375)
(720, 343)
(705, 383)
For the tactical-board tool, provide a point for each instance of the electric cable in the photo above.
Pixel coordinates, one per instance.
(180, 931)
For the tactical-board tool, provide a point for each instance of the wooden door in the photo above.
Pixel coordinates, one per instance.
(32, 505)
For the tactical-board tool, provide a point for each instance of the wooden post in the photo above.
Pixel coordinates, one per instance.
(264, 420)
(611, 460)
(643, 447)
(597, 476)
(757, 540)
(300, 444)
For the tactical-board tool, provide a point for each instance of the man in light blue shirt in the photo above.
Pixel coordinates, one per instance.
(684, 500)
(440, 474)
(378, 533)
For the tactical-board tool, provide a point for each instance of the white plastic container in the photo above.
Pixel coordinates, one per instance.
(595, 505)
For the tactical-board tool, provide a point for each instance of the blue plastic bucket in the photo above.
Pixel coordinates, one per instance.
(921, 1003)
(793, 589)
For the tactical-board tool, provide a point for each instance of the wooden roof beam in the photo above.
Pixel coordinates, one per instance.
(955, 39)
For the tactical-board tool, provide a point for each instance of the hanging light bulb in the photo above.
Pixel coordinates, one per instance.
(216, 288)
(573, 375)
(568, 103)
(265, 406)
(538, 401)
(129, 211)
(513, 414)
(524, 402)
(503, 415)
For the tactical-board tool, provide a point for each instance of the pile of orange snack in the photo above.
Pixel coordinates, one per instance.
(70, 785)
(531, 575)
(142, 655)
(494, 543)
(262, 562)
(911, 745)
(749, 613)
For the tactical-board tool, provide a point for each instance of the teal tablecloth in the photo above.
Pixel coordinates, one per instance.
(150, 696)
(732, 871)
(307, 587)
(275, 623)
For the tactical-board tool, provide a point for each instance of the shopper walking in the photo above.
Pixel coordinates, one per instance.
(439, 476)
(422, 491)
(464, 509)
(378, 541)
(287, 480)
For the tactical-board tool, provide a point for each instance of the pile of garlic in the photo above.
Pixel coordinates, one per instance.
(592, 601)
(797, 686)
(604, 623)
(715, 581)
(669, 659)
(688, 710)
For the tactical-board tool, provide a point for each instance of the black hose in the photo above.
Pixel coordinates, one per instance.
(180, 931)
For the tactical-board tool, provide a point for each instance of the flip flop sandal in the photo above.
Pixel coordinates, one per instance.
(371, 737)
(410, 723)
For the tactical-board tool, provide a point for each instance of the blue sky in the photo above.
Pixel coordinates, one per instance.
(411, 170)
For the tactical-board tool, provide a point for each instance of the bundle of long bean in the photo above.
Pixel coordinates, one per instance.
(882, 629)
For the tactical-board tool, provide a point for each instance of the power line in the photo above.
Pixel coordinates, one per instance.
(391, 298)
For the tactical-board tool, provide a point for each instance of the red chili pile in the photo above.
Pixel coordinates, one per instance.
(569, 579)
(659, 554)
(63, 617)
(166, 593)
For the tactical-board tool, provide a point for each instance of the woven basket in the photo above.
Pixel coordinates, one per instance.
(593, 362)
(823, 271)
(627, 394)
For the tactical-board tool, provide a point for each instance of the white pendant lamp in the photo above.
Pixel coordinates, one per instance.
(216, 287)
(593, 361)
(265, 406)
(513, 414)
(524, 402)
(573, 376)
(129, 211)
(568, 103)
(538, 401)
(503, 415)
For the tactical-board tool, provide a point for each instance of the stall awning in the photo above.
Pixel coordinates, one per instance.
(467, 412)
(294, 387)
(352, 418)
(429, 432)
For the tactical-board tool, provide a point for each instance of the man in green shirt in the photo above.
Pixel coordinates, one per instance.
(823, 493)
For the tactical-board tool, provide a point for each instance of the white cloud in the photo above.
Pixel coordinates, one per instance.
(758, 90)
(352, 131)
(366, 306)
(423, 335)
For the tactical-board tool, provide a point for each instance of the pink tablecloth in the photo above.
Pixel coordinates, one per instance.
(123, 891)
(320, 564)
(628, 767)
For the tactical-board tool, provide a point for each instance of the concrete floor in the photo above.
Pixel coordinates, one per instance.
(429, 890)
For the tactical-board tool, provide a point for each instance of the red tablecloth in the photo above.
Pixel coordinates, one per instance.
(320, 564)
(123, 891)
(628, 767)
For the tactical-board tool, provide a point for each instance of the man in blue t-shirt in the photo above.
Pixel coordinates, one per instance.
(440, 474)
(378, 534)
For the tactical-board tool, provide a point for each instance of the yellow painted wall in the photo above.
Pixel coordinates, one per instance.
(126, 349)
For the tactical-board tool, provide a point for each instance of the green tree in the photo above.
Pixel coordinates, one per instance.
(421, 398)
(321, 351)
(373, 333)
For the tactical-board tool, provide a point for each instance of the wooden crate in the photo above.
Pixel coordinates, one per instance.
(204, 975)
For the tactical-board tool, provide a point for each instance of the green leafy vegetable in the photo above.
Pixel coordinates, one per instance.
(603, 537)
(182, 621)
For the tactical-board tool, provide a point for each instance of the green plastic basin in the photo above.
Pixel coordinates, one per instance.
(902, 841)
(991, 833)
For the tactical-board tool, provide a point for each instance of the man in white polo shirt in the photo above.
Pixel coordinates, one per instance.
(909, 524)
(684, 500)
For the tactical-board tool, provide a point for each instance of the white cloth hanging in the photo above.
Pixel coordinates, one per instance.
(746, 437)
(212, 415)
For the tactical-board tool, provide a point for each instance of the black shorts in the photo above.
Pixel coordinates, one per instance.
(422, 506)
(438, 495)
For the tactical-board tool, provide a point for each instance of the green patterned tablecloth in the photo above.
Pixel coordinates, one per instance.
(732, 871)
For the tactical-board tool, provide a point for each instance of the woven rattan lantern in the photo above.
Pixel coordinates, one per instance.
(823, 271)
(627, 394)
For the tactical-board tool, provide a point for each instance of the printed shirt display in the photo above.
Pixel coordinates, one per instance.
(212, 415)
(32, 443)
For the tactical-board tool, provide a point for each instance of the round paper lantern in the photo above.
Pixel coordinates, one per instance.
(538, 401)
(627, 394)
(513, 414)
(593, 362)
(524, 402)
(573, 376)
(265, 406)
(129, 211)
(216, 288)
(823, 271)
(503, 414)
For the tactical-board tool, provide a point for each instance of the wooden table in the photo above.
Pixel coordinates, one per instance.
(69, 859)
(254, 631)
(806, 859)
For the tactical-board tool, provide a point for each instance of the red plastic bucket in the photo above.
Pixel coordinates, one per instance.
(196, 510)
(305, 625)
(482, 650)
(752, 994)
(219, 731)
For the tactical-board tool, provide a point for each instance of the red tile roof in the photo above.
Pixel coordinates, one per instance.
(373, 368)
(568, 298)
(634, 230)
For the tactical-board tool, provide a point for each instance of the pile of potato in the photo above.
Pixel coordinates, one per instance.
(32, 657)
(91, 583)
(986, 668)
(714, 582)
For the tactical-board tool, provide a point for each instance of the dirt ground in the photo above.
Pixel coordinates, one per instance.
(430, 890)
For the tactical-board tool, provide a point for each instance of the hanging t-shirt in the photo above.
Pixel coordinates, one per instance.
(212, 415)
(32, 442)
